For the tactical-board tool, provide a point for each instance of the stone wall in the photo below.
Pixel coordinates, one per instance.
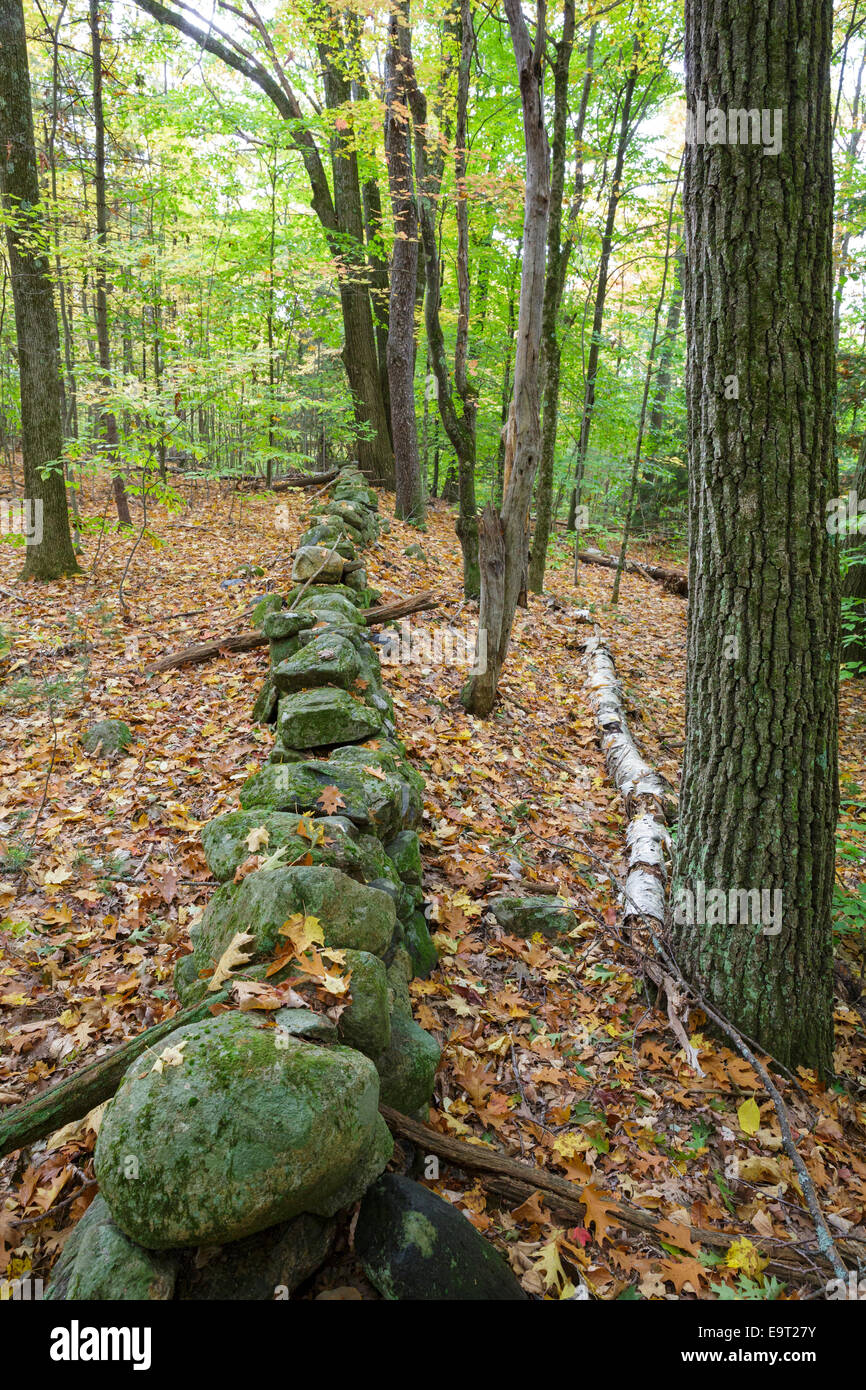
(248, 1133)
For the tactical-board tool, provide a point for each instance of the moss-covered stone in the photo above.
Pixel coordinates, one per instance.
(380, 804)
(407, 1067)
(326, 660)
(414, 1245)
(419, 943)
(278, 626)
(260, 1268)
(350, 913)
(271, 603)
(99, 1263)
(524, 916)
(323, 717)
(404, 851)
(107, 736)
(252, 1127)
(366, 1023)
(330, 840)
(330, 608)
(265, 707)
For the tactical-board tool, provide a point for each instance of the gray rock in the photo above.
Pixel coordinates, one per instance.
(317, 562)
(414, 1245)
(531, 913)
(252, 1127)
(107, 736)
(324, 717)
(260, 1268)
(99, 1263)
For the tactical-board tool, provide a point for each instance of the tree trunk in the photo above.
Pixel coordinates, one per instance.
(404, 271)
(109, 420)
(503, 548)
(558, 256)
(625, 134)
(35, 316)
(648, 376)
(459, 425)
(759, 797)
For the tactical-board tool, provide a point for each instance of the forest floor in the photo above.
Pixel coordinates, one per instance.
(551, 1051)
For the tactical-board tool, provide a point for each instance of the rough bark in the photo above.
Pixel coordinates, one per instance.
(404, 271)
(501, 585)
(759, 796)
(27, 239)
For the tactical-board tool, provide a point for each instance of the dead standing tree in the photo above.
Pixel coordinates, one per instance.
(503, 535)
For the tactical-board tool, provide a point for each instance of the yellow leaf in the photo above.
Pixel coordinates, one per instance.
(743, 1255)
(233, 956)
(170, 1056)
(303, 932)
(749, 1116)
(257, 839)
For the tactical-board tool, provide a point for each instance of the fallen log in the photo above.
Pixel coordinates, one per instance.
(248, 641)
(673, 580)
(257, 483)
(73, 1098)
(516, 1180)
(206, 651)
(400, 608)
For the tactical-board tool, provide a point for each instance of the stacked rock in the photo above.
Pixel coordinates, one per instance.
(249, 1131)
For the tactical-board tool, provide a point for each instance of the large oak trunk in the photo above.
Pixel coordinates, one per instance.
(759, 796)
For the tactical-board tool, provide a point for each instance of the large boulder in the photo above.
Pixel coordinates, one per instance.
(317, 562)
(329, 659)
(260, 1268)
(414, 1245)
(350, 914)
(325, 717)
(323, 840)
(531, 913)
(374, 801)
(230, 1126)
(99, 1263)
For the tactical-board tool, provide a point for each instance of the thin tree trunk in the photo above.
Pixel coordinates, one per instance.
(35, 318)
(760, 792)
(109, 420)
(558, 256)
(635, 469)
(625, 134)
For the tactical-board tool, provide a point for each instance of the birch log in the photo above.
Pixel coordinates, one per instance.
(650, 800)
